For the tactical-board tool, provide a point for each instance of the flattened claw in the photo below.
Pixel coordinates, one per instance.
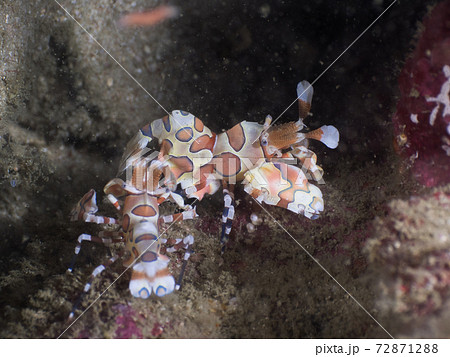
(285, 186)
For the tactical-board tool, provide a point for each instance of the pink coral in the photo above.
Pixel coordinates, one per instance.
(422, 120)
(126, 323)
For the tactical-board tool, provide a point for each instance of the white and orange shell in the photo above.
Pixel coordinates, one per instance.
(139, 221)
(283, 185)
(238, 150)
(199, 160)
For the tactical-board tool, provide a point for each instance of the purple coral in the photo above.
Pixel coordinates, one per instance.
(422, 119)
(126, 322)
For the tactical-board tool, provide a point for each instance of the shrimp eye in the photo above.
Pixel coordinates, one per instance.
(264, 142)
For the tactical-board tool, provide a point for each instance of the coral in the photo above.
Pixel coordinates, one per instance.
(422, 120)
(409, 255)
(126, 322)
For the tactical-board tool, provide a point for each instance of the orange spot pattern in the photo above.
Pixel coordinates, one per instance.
(184, 134)
(166, 146)
(236, 137)
(295, 180)
(227, 164)
(148, 257)
(144, 237)
(144, 211)
(125, 223)
(181, 165)
(198, 125)
(203, 142)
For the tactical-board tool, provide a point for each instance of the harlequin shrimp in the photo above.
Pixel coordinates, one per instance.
(139, 232)
(259, 156)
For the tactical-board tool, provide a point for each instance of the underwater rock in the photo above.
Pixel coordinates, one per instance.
(409, 257)
(422, 119)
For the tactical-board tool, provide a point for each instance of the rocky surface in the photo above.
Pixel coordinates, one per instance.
(67, 110)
